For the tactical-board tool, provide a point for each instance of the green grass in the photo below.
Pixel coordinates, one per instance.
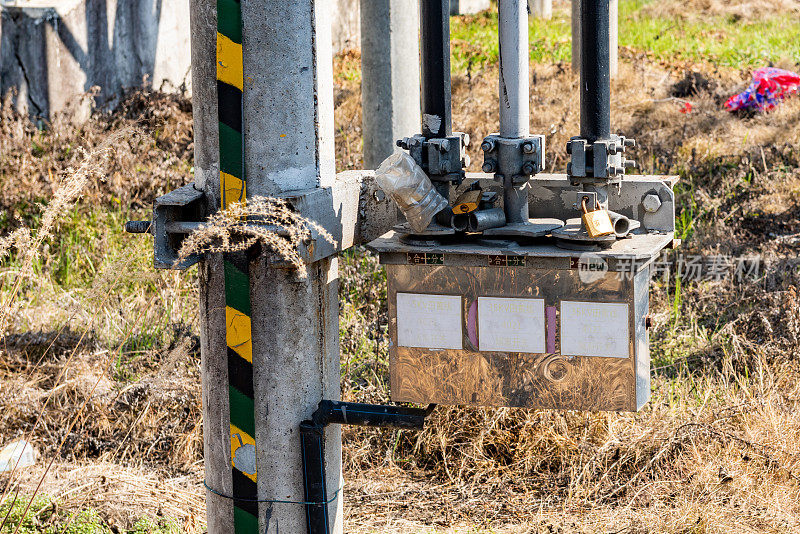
(720, 40)
(46, 517)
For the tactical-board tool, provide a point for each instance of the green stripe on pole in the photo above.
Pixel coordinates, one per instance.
(229, 20)
(230, 151)
(244, 521)
(237, 289)
(242, 411)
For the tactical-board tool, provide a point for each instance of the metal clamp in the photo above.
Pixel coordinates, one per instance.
(600, 162)
(519, 158)
(443, 159)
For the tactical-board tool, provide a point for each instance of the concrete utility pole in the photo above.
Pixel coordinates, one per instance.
(389, 75)
(542, 9)
(613, 35)
(270, 342)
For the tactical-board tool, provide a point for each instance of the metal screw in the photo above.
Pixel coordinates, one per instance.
(651, 203)
(466, 139)
(528, 168)
(489, 165)
(527, 147)
(487, 146)
(630, 142)
(465, 161)
(629, 164)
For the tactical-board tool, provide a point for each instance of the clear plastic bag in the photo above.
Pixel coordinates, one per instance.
(407, 184)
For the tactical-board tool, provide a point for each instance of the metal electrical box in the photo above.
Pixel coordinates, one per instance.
(526, 324)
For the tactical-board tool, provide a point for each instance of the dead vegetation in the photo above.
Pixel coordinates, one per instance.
(716, 450)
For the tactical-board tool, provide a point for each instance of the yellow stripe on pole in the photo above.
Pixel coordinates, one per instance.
(232, 189)
(229, 62)
(237, 333)
(240, 453)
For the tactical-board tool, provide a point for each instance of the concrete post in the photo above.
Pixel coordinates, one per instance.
(613, 36)
(390, 75)
(287, 144)
(466, 7)
(542, 9)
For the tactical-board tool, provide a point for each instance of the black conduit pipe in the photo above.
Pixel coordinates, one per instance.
(435, 68)
(312, 439)
(595, 70)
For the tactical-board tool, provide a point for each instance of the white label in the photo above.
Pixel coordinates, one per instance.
(594, 329)
(429, 321)
(511, 325)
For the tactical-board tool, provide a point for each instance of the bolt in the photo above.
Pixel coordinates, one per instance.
(489, 165)
(651, 203)
(465, 161)
(569, 147)
(528, 168)
(629, 164)
(487, 145)
(648, 322)
(402, 144)
(379, 195)
(444, 146)
(527, 147)
(466, 139)
(630, 142)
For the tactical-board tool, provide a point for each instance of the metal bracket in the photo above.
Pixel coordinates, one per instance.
(443, 159)
(600, 162)
(183, 205)
(353, 210)
(519, 158)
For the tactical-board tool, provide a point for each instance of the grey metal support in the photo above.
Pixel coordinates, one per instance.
(514, 69)
(288, 146)
(390, 75)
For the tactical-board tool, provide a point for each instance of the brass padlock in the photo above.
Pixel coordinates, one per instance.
(597, 222)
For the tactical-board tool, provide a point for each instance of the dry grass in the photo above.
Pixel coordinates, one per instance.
(741, 9)
(266, 221)
(716, 450)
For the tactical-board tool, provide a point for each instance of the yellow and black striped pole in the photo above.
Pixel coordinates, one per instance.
(230, 80)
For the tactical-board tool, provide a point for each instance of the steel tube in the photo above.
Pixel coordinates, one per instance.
(359, 414)
(484, 219)
(435, 68)
(595, 70)
(514, 69)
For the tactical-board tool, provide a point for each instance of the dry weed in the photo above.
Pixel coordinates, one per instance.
(267, 221)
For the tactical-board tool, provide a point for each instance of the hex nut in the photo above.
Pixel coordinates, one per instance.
(489, 166)
(651, 203)
(527, 147)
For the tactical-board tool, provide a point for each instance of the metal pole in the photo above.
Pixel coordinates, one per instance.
(270, 348)
(514, 69)
(595, 71)
(435, 45)
(390, 75)
(613, 37)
